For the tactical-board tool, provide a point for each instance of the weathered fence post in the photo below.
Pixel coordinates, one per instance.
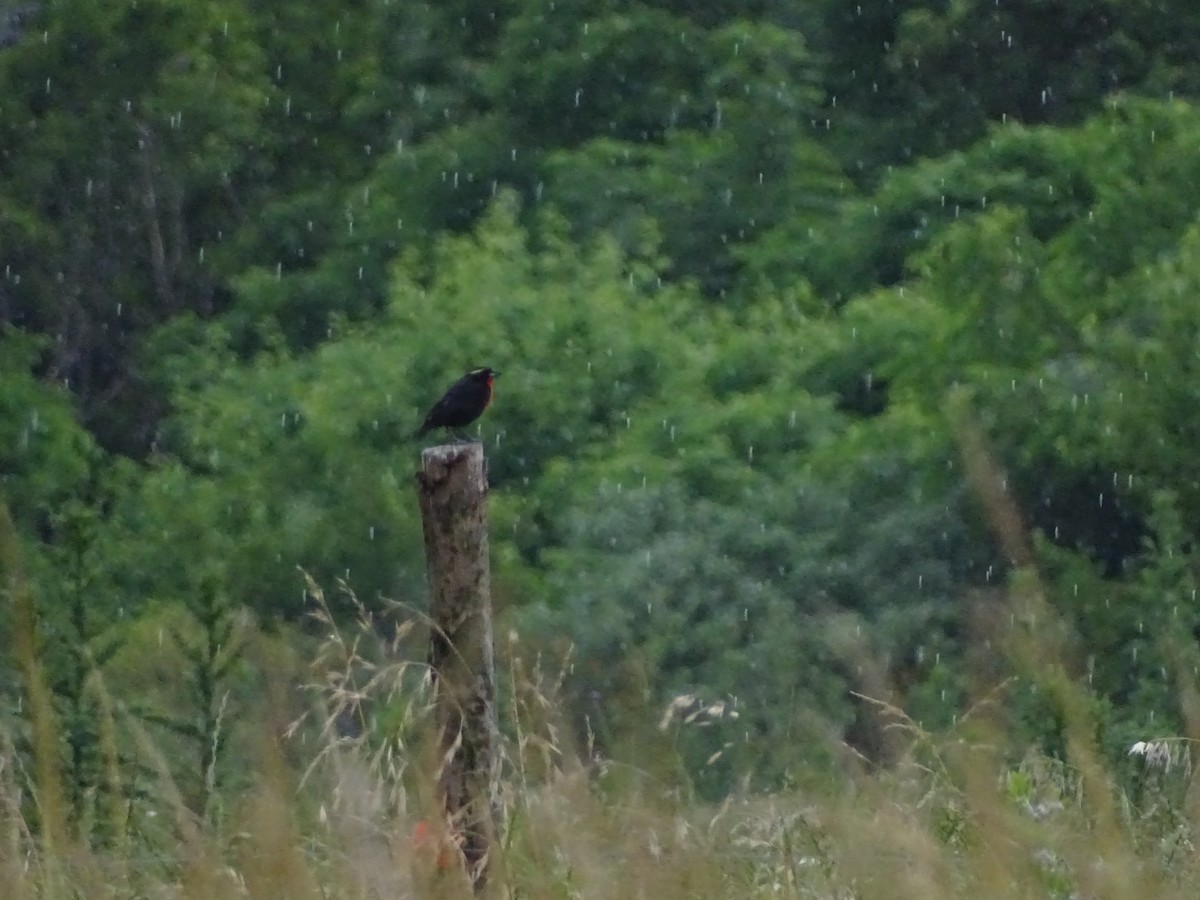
(452, 488)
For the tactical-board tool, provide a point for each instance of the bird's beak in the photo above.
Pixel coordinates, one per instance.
(494, 373)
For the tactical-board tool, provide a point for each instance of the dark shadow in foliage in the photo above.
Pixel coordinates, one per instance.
(1084, 511)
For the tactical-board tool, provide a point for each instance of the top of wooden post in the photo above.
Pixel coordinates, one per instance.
(448, 454)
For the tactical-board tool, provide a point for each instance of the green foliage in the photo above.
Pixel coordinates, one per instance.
(46, 458)
(917, 79)
(735, 156)
(244, 247)
(291, 460)
(145, 158)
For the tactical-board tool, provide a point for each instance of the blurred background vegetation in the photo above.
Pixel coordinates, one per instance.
(751, 271)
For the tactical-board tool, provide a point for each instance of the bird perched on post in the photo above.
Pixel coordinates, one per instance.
(462, 404)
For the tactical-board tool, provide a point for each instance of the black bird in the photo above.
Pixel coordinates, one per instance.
(462, 404)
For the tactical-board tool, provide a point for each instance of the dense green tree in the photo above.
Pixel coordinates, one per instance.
(911, 78)
(216, 150)
(1075, 182)
(1070, 345)
(780, 603)
(46, 459)
(299, 460)
(114, 185)
(246, 245)
(750, 162)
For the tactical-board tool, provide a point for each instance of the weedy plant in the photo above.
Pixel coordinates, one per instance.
(339, 801)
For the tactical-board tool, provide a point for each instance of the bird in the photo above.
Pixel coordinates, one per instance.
(463, 402)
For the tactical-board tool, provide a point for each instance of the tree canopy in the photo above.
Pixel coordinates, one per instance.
(751, 271)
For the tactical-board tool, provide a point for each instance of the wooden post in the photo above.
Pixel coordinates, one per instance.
(452, 488)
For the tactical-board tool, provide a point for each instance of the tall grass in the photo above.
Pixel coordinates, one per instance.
(334, 798)
(333, 806)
